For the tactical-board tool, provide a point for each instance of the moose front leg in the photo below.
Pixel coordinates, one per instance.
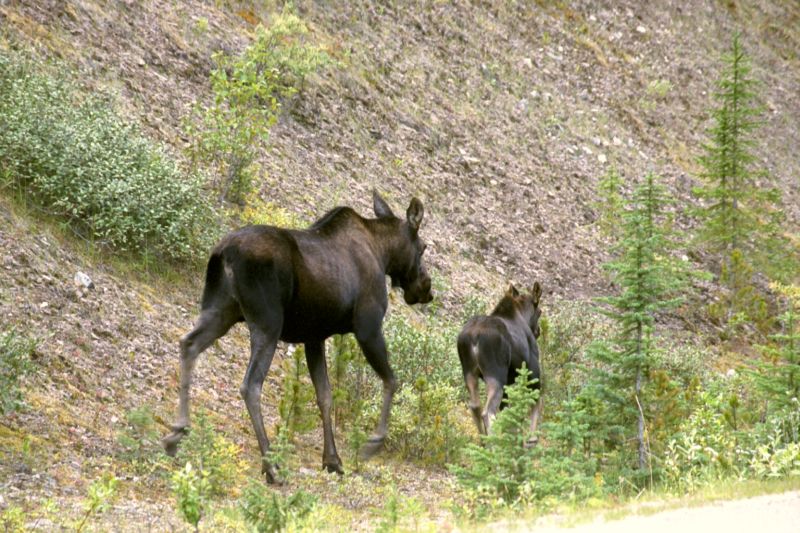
(374, 348)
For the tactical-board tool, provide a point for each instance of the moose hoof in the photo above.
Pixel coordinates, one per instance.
(272, 477)
(372, 446)
(170, 442)
(334, 468)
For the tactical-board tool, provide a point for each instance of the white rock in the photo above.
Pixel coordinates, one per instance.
(602, 158)
(83, 280)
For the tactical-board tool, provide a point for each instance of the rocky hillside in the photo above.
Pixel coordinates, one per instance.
(500, 116)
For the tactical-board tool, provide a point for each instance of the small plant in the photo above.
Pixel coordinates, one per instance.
(778, 374)
(269, 512)
(281, 452)
(499, 469)
(612, 202)
(15, 363)
(356, 436)
(214, 458)
(297, 406)
(138, 440)
(12, 520)
(426, 425)
(249, 91)
(192, 491)
(100, 495)
(257, 211)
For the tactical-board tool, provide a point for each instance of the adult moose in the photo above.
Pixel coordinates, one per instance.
(494, 347)
(302, 286)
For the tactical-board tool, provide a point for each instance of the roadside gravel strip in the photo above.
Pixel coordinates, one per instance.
(773, 513)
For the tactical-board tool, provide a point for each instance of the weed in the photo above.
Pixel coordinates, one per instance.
(101, 493)
(267, 511)
(15, 363)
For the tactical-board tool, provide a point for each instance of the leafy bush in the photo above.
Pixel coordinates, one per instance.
(192, 490)
(267, 511)
(707, 448)
(249, 90)
(12, 520)
(15, 362)
(77, 158)
(101, 492)
(426, 425)
(214, 457)
(423, 347)
(139, 441)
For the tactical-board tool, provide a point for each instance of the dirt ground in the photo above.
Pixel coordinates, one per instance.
(773, 513)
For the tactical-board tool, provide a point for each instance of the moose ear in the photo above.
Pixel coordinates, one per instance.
(536, 292)
(414, 214)
(382, 209)
(512, 291)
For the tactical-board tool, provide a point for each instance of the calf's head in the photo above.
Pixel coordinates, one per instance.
(528, 305)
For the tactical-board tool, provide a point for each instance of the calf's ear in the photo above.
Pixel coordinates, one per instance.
(382, 209)
(512, 291)
(414, 214)
(536, 292)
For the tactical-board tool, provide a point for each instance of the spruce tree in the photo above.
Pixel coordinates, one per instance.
(778, 376)
(739, 213)
(647, 276)
(609, 189)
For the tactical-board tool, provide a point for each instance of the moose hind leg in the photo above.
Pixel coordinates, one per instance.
(494, 395)
(471, 381)
(262, 349)
(374, 348)
(211, 325)
(318, 368)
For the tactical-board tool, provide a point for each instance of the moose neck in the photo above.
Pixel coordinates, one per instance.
(508, 308)
(389, 244)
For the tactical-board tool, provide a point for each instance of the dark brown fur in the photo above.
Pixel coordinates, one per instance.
(494, 347)
(302, 286)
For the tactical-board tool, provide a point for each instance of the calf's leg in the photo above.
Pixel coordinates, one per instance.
(494, 395)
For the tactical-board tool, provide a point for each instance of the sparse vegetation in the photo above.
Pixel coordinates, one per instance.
(514, 125)
(72, 155)
(249, 91)
(15, 363)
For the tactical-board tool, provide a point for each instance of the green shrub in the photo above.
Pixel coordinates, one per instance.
(100, 495)
(423, 347)
(215, 458)
(72, 154)
(191, 489)
(267, 511)
(297, 406)
(139, 441)
(12, 520)
(499, 469)
(429, 423)
(249, 90)
(15, 362)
